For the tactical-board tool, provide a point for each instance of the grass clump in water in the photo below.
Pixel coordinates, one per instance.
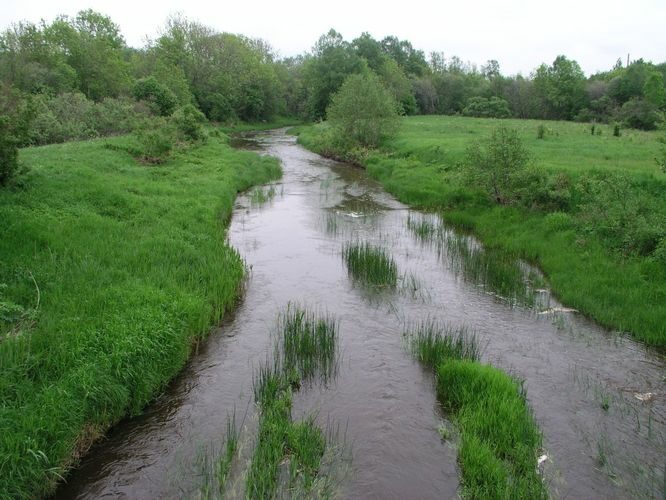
(307, 342)
(259, 196)
(369, 264)
(432, 342)
(306, 346)
(496, 270)
(281, 441)
(499, 439)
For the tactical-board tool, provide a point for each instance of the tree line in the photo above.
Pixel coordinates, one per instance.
(76, 77)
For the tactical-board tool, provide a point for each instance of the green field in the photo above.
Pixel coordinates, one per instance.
(602, 245)
(111, 272)
(566, 146)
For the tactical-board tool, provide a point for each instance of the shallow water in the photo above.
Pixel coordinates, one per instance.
(292, 239)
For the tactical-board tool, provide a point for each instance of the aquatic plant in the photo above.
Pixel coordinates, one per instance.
(432, 342)
(369, 264)
(499, 438)
(307, 342)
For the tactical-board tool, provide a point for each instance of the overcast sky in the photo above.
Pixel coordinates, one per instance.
(519, 34)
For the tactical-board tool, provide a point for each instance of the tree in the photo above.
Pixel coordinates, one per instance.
(395, 80)
(332, 61)
(562, 88)
(160, 97)
(654, 90)
(363, 111)
(500, 166)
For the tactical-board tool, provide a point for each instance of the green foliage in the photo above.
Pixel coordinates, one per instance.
(162, 101)
(613, 209)
(501, 166)
(541, 131)
(156, 138)
(189, 122)
(562, 87)
(133, 266)
(71, 116)
(16, 115)
(324, 73)
(363, 112)
(641, 114)
(654, 91)
(482, 107)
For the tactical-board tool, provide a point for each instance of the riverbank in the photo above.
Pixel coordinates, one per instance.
(111, 272)
(623, 291)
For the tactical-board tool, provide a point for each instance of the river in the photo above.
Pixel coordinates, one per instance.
(598, 396)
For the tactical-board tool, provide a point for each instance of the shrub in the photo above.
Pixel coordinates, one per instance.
(189, 122)
(501, 166)
(614, 208)
(72, 116)
(16, 115)
(495, 107)
(541, 131)
(641, 114)
(161, 99)
(363, 112)
(558, 221)
(156, 138)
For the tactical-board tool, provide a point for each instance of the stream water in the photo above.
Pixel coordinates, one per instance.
(598, 397)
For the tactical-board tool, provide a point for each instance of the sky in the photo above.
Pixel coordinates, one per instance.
(519, 34)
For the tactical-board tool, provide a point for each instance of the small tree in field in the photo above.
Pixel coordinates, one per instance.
(363, 111)
(501, 167)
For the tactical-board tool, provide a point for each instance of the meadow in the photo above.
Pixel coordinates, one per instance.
(111, 272)
(596, 225)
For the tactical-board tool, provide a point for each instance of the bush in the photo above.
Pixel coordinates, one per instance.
(160, 98)
(641, 114)
(501, 168)
(72, 116)
(558, 221)
(615, 209)
(16, 115)
(541, 131)
(189, 122)
(363, 112)
(156, 138)
(495, 107)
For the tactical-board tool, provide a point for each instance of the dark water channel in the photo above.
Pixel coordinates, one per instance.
(598, 397)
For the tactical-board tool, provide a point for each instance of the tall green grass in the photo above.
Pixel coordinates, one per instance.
(306, 346)
(132, 266)
(307, 342)
(499, 438)
(497, 270)
(423, 166)
(369, 264)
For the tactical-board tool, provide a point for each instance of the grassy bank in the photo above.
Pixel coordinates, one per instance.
(499, 439)
(112, 271)
(599, 247)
